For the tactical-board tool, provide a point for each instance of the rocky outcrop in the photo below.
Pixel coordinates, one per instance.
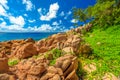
(85, 50)
(3, 55)
(69, 65)
(39, 69)
(10, 46)
(51, 42)
(59, 41)
(30, 68)
(110, 76)
(30, 40)
(6, 76)
(3, 65)
(81, 29)
(25, 51)
(53, 74)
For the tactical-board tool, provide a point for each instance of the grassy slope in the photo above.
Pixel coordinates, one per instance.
(106, 45)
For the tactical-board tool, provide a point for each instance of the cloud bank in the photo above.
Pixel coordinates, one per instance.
(51, 14)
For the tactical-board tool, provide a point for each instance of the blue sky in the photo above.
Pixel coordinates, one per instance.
(39, 15)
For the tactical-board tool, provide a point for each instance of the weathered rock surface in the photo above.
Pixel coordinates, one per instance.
(7, 77)
(30, 69)
(3, 65)
(59, 41)
(10, 46)
(25, 51)
(85, 50)
(109, 76)
(39, 69)
(69, 65)
(90, 67)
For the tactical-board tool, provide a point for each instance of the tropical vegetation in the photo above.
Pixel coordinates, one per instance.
(104, 37)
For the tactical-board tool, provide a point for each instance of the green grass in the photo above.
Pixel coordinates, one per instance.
(52, 55)
(106, 46)
(13, 62)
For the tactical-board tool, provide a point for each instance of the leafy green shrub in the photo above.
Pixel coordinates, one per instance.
(56, 53)
(52, 62)
(53, 55)
(103, 14)
(13, 62)
(37, 56)
(107, 52)
(84, 50)
(80, 71)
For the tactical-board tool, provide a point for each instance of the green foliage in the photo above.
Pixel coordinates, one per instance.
(53, 55)
(13, 62)
(79, 14)
(37, 56)
(106, 45)
(104, 13)
(52, 62)
(56, 53)
(80, 71)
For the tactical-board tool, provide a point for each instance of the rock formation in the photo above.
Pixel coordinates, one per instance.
(25, 51)
(30, 68)
(3, 65)
(39, 69)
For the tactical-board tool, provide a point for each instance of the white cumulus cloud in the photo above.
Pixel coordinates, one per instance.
(39, 10)
(1, 19)
(42, 28)
(17, 23)
(52, 12)
(2, 24)
(45, 27)
(4, 3)
(3, 7)
(17, 20)
(28, 4)
(55, 23)
(15, 28)
(10, 28)
(74, 21)
(2, 11)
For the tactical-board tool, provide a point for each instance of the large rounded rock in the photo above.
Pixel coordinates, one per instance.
(30, 69)
(25, 51)
(3, 65)
(37, 69)
(85, 50)
(30, 40)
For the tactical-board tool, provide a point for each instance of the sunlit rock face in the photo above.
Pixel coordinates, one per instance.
(30, 68)
(39, 69)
